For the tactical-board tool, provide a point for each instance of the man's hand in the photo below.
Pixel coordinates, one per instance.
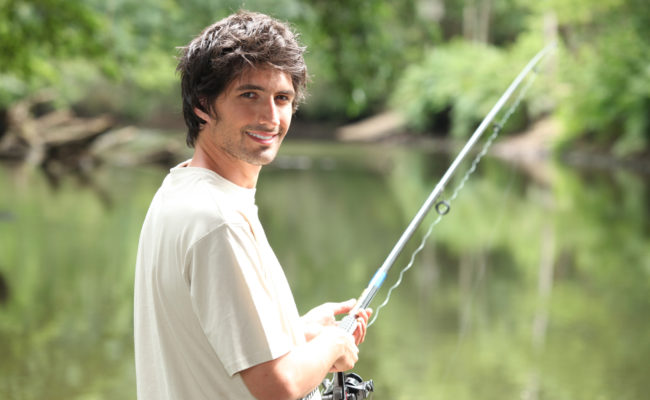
(328, 349)
(362, 325)
(297, 372)
(325, 315)
(347, 349)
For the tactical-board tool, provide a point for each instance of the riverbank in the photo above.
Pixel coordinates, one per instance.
(60, 142)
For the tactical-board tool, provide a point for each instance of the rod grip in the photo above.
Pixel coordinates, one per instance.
(348, 323)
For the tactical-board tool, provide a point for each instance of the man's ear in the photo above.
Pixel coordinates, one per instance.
(202, 114)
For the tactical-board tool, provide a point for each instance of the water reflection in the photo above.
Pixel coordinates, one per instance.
(525, 290)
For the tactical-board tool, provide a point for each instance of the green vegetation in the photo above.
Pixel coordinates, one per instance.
(120, 55)
(448, 90)
(443, 63)
(598, 84)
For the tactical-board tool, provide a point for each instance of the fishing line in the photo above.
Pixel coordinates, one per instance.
(444, 206)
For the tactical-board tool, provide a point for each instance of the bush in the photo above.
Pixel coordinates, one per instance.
(609, 96)
(463, 79)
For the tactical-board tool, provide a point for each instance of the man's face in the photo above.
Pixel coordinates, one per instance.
(253, 116)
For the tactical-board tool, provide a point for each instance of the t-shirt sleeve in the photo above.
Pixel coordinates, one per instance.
(234, 299)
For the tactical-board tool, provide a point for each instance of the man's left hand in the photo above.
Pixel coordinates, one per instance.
(325, 315)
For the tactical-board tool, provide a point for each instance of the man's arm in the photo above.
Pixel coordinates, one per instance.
(298, 372)
(325, 315)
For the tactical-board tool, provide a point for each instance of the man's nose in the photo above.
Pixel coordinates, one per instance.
(269, 113)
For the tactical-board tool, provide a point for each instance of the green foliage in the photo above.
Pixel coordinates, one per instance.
(34, 35)
(33, 32)
(604, 72)
(601, 88)
(119, 56)
(610, 91)
(504, 19)
(356, 49)
(465, 78)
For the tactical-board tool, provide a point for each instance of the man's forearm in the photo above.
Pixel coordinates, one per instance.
(302, 369)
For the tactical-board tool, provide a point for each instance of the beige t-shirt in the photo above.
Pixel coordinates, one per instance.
(211, 298)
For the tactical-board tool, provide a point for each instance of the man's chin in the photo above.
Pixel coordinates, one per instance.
(263, 159)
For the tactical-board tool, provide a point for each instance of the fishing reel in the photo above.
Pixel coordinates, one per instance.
(348, 386)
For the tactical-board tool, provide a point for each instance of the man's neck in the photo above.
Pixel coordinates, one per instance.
(236, 171)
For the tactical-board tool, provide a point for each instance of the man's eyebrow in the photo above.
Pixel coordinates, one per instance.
(250, 86)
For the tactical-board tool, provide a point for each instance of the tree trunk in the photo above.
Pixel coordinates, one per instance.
(476, 20)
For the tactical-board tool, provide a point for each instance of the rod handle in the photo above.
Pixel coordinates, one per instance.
(349, 323)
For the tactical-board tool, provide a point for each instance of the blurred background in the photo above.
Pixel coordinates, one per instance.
(535, 286)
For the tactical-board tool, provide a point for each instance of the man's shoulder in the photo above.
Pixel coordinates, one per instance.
(197, 200)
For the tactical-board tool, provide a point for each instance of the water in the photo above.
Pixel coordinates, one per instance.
(527, 289)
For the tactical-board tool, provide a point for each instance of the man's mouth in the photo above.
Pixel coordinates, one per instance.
(260, 136)
(263, 137)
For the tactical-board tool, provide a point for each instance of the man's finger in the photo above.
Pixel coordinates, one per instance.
(343, 307)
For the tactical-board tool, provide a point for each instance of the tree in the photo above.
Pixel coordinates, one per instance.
(35, 33)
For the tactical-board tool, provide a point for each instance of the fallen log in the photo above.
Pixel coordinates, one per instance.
(38, 134)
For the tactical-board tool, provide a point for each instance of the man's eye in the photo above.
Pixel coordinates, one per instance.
(283, 98)
(248, 95)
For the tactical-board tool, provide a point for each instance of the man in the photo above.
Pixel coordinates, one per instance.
(214, 314)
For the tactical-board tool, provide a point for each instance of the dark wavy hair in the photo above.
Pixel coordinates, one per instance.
(223, 51)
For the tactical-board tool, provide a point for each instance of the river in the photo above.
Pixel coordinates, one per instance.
(531, 287)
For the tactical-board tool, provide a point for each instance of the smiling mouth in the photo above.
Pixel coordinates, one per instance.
(261, 136)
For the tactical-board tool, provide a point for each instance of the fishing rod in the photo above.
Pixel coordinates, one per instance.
(350, 386)
(348, 323)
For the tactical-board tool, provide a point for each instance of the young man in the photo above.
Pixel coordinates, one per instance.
(214, 314)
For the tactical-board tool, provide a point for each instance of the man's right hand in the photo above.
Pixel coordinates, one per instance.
(347, 349)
